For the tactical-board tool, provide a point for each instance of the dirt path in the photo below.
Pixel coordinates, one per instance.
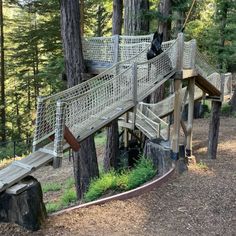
(202, 201)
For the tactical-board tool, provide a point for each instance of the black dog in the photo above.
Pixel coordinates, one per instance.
(155, 49)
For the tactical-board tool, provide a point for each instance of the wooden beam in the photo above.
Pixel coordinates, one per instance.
(190, 117)
(189, 73)
(214, 129)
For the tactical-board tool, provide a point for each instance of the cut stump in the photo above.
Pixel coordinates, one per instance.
(23, 204)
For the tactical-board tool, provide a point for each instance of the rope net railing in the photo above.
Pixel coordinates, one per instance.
(83, 111)
(46, 112)
(207, 71)
(90, 100)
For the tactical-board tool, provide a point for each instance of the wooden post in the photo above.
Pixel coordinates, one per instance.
(126, 134)
(59, 133)
(177, 119)
(177, 102)
(214, 129)
(191, 86)
(135, 93)
(40, 108)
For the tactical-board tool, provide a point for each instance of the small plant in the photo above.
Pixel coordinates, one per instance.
(70, 182)
(100, 185)
(100, 139)
(68, 197)
(201, 165)
(52, 207)
(51, 187)
(226, 110)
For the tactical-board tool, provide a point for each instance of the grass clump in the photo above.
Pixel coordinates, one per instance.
(143, 171)
(51, 187)
(226, 110)
(203, 166)
(52, 207)
(68, 197)
(100, 185)
(100, 139)
(128, 179)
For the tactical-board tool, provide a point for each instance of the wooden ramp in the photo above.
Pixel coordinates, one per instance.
(207, 87)
(20, 169)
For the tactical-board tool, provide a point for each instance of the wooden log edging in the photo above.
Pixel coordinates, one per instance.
(125, 195)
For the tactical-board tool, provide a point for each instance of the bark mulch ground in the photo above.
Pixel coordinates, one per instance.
(202, 201)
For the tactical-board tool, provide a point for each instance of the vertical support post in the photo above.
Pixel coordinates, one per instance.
(177, 102)
(59, 133)
(126, 134)
(191, 87)
(214, 129)
(135, 92)
(39, 120)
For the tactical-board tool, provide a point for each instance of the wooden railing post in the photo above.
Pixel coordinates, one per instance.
(191, 88)
(39, 112)
(135, 92)
(177, 102)
(59, 133)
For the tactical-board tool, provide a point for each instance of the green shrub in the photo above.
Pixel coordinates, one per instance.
(226, 110)
(143, 171)
(100, 185)
(51, 187)
(128, 179)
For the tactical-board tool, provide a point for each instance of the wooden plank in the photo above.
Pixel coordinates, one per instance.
(189, 73)
(16, 189)
(23, 165)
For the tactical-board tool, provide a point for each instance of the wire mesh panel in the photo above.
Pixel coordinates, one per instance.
(189, 55)
(99, 49)
(207, 71)
(82, 111)
(154, 70)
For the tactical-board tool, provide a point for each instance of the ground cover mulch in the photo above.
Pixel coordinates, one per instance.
(201, 201)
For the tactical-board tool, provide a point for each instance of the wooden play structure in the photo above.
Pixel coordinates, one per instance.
(125, 78)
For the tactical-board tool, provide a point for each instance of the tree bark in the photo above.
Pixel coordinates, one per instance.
(112, 143)
(135, 22)
(117, 16)
(164, 26)
(214, 130)
(85, 161)
(2, 79)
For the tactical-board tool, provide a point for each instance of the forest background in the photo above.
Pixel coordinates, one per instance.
(32, 61)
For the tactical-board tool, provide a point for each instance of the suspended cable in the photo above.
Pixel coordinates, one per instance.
(188, 15)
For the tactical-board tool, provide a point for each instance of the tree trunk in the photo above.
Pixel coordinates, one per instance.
(85, 161)
(214, 129)
(233, 102)
(2, 80)
(164, 26)
(135, 22)
(112, 143)
(112, 147)
(117, 16)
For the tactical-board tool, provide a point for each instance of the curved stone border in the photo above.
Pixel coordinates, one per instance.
(125, 195)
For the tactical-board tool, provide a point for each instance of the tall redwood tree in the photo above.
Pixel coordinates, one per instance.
(85, 161)
(112, 144)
